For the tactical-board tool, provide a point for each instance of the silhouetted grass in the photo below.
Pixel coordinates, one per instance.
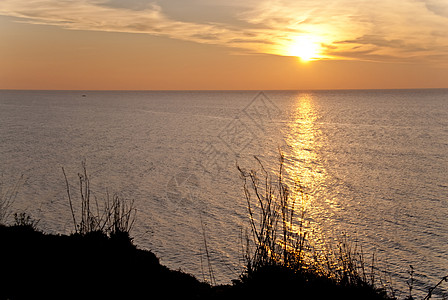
(431, 290)
(24, 220)
(111, 216)
(99, 260)
(281, 258)
(7, 198)
(280, 246)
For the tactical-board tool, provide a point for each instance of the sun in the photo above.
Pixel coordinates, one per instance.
(306, 48)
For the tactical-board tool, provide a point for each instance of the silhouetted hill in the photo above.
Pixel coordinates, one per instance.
(43, 266)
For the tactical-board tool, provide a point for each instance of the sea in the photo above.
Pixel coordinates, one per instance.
(371, 167)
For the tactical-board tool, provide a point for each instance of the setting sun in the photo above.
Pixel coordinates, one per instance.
(305, 48)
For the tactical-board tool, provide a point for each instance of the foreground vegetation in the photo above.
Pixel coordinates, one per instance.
(280, 250)
(95, 266)
(99, 260)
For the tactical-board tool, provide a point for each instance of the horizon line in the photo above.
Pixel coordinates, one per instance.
(220, 90)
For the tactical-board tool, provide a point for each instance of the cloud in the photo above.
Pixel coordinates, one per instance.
(377, 43)
(137, 5)
(438, 7)
(346, 29)
(401, 29)
(102, 16)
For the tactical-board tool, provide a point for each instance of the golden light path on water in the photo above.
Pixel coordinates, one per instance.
(304, 168)
(302, 139)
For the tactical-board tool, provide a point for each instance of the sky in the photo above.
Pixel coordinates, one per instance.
(223, 44)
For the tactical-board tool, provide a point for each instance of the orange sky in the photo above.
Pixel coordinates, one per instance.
(198, 44)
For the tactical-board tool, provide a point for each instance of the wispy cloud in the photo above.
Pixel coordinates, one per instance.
(134, 17)
(402, 30)
(405, 30)
(438, 7)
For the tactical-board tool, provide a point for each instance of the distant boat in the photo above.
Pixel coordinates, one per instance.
(84, 95)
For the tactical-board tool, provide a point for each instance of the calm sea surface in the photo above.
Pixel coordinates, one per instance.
(374, 165)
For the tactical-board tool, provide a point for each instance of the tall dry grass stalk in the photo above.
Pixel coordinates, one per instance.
(111, 216)
(7, 198)
(276, 220)
(431, 290)
(278, 236)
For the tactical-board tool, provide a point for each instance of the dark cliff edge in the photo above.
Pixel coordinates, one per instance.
(36, 265)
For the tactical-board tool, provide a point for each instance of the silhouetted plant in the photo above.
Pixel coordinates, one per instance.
(410, 282)
(431, 290)
(211, 273)
(7, 198)
(24, 220)
(279, 239)
(113, 217)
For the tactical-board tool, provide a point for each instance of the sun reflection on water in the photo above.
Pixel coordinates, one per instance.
(304, 165)
(304, 141)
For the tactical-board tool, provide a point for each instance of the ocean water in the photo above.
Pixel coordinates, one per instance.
(373, 163)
